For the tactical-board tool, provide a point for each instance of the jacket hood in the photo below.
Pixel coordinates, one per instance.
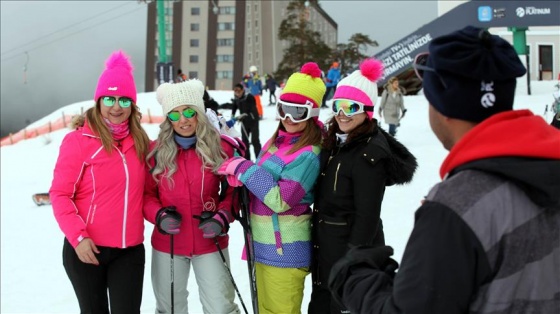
(516, 145)
(401, 163)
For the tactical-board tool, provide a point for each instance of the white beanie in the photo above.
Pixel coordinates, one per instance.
(171, 96)
(361, 85)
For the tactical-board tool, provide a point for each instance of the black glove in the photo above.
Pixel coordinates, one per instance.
(168, 220)
(214, 224)
(375, 258)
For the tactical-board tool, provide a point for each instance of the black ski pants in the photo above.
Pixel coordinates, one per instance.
(120, 273)
(251, 129)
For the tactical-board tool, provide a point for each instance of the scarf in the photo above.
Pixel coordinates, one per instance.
(185, 142)
(119, 131)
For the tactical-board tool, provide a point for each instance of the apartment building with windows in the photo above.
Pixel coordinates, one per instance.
(217, 41)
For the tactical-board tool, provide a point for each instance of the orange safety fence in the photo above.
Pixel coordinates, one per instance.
(59, 124)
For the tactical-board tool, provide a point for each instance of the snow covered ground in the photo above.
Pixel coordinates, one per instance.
(33, 279)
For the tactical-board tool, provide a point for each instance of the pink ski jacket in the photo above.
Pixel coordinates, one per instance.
(98, 195)
(193, 191)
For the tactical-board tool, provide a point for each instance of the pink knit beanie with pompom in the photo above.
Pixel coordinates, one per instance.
(116, 79)
(361, 85)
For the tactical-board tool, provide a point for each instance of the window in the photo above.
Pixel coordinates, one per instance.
(248, 24)
(256, 23)
(193, 58)
(226, 26)
(249, 40)
(224, 58)
(256, 39)
(224, 74)
(225, 42)
(194, 43)
(193, 74)
(227, 10)
(249, 56)
(195, 27)
(195, 11)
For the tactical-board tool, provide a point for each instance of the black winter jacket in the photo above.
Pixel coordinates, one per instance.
(349, 193)
(246, 104)
(486, 239)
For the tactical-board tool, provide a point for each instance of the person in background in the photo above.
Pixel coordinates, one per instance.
(271, 87)
(281, 183)
(485, 239)
(332, 79)
(182, 200)
(96, 196)
(358, 161)
(209, 102)
(255, 88)
(249, 119)
(181, 77)
(392, 104)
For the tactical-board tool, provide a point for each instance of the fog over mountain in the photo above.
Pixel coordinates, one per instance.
(52, 52)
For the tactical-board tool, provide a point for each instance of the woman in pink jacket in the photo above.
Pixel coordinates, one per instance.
(182, 187)
(96, 196)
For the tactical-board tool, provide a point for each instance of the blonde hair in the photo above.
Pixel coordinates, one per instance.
(99, 127)
(208, 147)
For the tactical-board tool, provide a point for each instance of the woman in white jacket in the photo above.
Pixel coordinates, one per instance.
(392, 104)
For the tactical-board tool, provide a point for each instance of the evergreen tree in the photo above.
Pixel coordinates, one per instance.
(305, 45)
(351, 54)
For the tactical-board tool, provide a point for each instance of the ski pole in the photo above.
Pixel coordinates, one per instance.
(230, 275)
(246, 134)
(172, 267)
(245, 220)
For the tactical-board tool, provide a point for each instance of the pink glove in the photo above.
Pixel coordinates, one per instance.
(229, 166)
(214, 224)
(233, 181)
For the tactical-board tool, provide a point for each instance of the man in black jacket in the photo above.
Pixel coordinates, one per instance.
(486, 239)
(247, 104)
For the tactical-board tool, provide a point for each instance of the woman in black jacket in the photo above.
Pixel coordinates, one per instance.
(359, 160)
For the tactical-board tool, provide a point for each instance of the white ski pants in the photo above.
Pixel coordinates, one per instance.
(215, 288)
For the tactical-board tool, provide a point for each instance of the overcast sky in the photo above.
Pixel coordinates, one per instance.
(53, 51)
(383, 21)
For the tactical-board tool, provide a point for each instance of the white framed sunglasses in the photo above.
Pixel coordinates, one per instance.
(296, 112)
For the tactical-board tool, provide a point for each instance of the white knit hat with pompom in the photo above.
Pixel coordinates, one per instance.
(189, 93)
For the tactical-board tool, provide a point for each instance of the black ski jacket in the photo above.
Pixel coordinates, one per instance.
(349, 193)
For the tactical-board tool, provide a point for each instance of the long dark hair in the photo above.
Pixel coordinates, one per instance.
(311, 135)
(368, 126)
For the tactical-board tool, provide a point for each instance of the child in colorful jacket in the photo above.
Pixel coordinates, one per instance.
(281, 184)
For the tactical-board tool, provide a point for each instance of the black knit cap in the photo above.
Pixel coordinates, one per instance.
(475, 74)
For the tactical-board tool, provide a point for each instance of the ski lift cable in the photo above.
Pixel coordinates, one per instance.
(65, 28)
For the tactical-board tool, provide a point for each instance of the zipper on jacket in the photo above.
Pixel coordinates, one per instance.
(336, 176)
(125, 214)
(335, 223)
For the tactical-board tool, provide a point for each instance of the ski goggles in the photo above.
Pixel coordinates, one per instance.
(175, 116)
(420, 67)
(297, 112)
(109, 101)
(349, 107)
